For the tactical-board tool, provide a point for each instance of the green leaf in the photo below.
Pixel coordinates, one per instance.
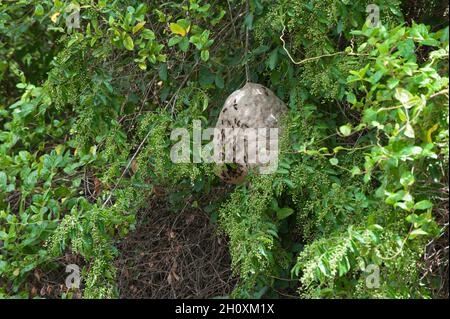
(404, 96)
(407, 179)
(148, 34)
(3, 265)
(39, 10)
(219, 81)
(205, 103)
(248, 21)
(417, 232)
(178, 29)
(273, 59)
(351, 98)
(401, 115)
(138, 27)
(344, 266)
(345, 130)
(423, 205)
(3, 181)
(128, 42)
(184, 44)
(141, 10)
(355, 171)
(413, 218)
(163, 71)
(174, 40)
(204, 55)
(283, 213)
(392, 83)
(334, 161)
(206, 77)
(409, 131)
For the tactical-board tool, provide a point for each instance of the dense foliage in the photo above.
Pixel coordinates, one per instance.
(361, 189)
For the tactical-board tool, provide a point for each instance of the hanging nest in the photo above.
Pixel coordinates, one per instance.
(251, 107)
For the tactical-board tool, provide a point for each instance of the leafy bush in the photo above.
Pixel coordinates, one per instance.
(86, 115)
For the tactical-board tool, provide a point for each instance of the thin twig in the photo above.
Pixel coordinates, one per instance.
(127, 167)
(316, 57)
(247, 70)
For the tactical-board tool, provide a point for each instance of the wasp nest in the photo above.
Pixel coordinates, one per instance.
(247, 131)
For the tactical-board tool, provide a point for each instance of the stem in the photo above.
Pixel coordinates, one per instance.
(247, 71)
(316, 57)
